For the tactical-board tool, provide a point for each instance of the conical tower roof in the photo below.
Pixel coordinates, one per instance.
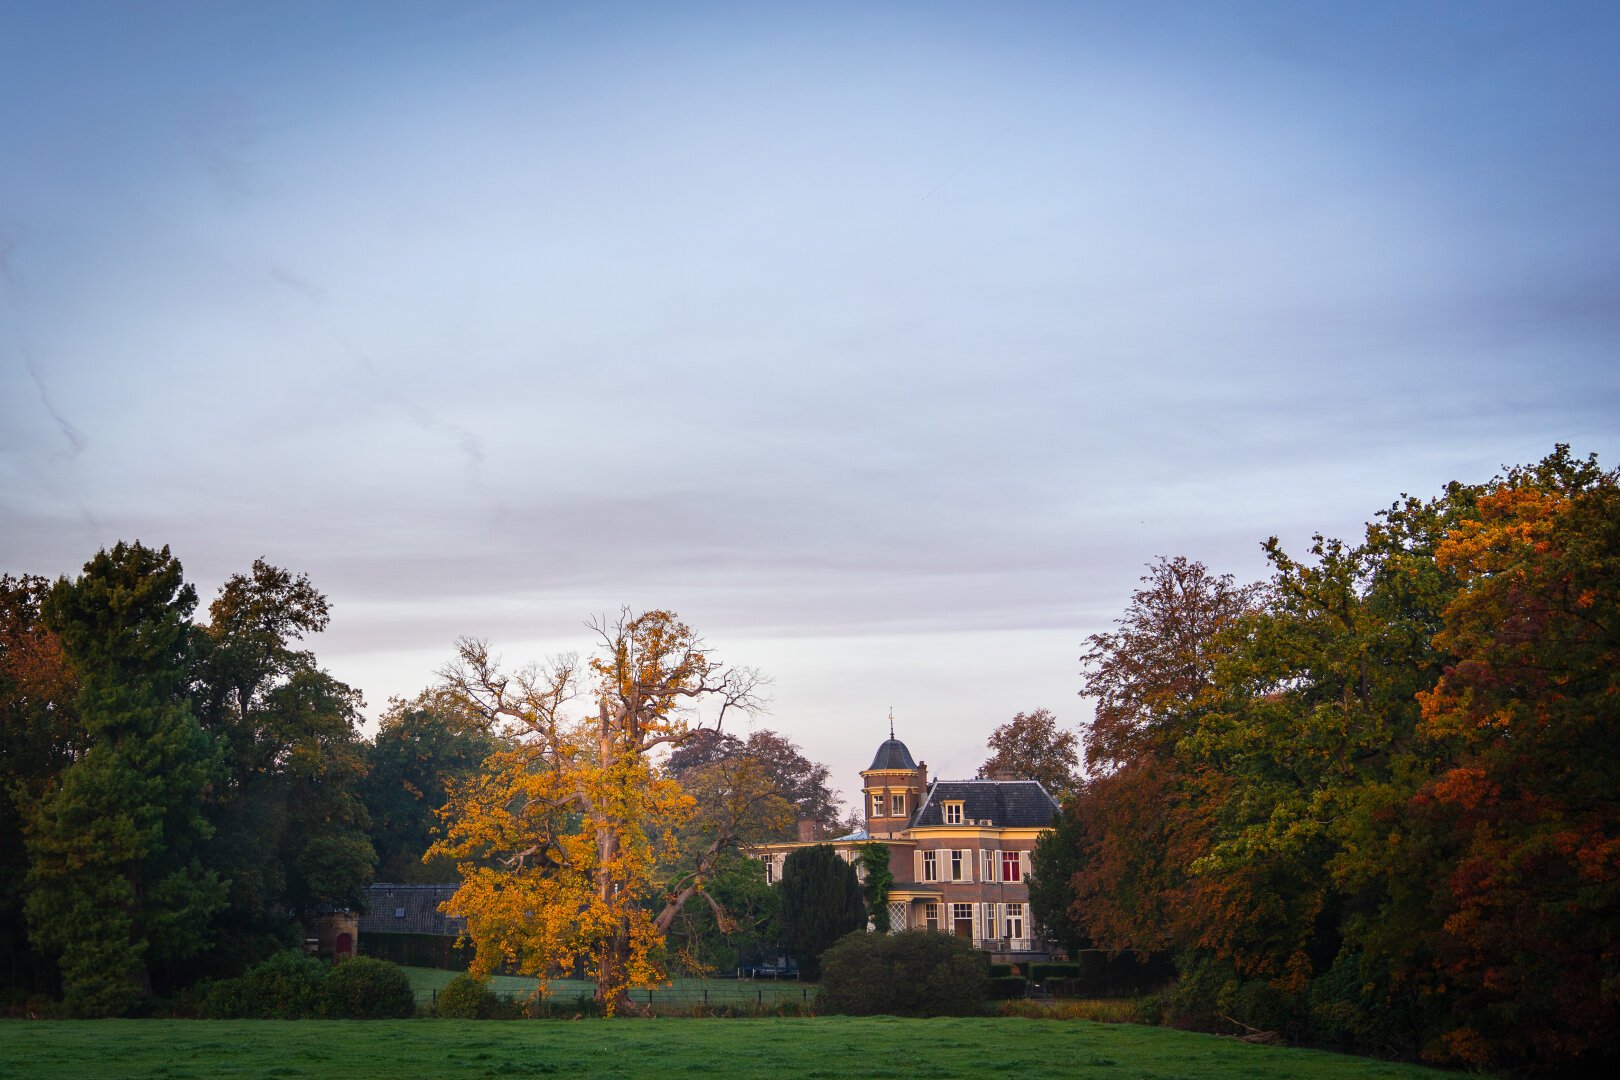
(892, 755)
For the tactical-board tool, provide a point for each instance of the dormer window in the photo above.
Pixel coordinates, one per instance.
(953, 813)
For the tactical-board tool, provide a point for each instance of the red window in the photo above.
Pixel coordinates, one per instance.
(1010, 866)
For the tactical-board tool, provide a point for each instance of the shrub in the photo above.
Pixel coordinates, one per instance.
(285, 987)
(365, 988)
(467, 998)
(1045, 972)
(1007, 987)
(912, 973)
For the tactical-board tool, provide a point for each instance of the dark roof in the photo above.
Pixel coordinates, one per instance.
(409, 909)
(892, 755)
(1006, 804)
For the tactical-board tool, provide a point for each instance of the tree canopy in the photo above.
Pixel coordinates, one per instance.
(1370, 801)
(569, 843)
(117, 884)
(1031, 746)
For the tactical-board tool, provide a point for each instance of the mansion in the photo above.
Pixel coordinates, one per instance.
(959, 850)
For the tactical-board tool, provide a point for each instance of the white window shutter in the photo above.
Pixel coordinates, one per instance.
(1023, 865)
(917, 865)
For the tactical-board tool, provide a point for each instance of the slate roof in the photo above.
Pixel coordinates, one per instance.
(892, 755)
(401, 908)
(1006, 804)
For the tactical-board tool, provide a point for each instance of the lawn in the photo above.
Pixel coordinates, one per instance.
(824, 1048)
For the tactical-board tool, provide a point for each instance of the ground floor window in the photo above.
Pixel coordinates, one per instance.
(962, 920)
(931, 916)
(1015, 920)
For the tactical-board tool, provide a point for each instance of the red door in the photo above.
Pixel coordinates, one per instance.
(344, 946)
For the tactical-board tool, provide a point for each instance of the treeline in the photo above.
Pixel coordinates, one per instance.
(1375, 800)
(182, 798)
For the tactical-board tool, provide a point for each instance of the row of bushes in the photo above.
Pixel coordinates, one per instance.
(292, 985)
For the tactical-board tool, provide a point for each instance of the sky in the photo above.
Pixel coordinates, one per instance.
(885, 343)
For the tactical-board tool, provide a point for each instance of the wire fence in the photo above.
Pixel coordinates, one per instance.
(687, 997)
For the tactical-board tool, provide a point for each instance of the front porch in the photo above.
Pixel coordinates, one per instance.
(1001, 929)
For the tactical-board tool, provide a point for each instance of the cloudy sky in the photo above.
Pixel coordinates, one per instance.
(883, 342)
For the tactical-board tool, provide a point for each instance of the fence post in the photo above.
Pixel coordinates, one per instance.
(761, 993)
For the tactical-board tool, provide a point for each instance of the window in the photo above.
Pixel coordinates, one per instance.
(1015, 920)
(989, 873)
(399, 913)
(1011, 868)
(931, 916)
(897, 805)
(877, 805)
(770, 869)
(953, 813)
(930, 865)
(960, 861)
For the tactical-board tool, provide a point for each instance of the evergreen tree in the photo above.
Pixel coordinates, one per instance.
(821, 902)
(117, 887)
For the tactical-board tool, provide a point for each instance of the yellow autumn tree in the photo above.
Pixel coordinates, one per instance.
(569, 844)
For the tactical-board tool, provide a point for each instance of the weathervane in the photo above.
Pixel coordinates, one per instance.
(891, 721)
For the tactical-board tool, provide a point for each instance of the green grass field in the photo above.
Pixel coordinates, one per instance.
(824, 1048)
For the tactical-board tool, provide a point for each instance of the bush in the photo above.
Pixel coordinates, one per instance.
(364, 988)
(1007, 987)
(467, 998)
(1045, 972)
(285, 987)
(912, 973)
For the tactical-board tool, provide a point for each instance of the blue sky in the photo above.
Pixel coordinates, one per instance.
(885, 343)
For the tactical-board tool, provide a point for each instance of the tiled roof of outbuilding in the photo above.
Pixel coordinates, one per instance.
(406, 908)
(1005, 804)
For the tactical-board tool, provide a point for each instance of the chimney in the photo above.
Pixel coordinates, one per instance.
(809, 831)
(1005, 774)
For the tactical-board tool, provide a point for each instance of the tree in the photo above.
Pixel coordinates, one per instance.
(821, 902)
(1517, 828)
(117, 885)
(1149, 672)
(1139, 822)
(40, 736)
(568, 843)
(421, 748)
(1032, 746)
(802, 783)
(291, 828)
